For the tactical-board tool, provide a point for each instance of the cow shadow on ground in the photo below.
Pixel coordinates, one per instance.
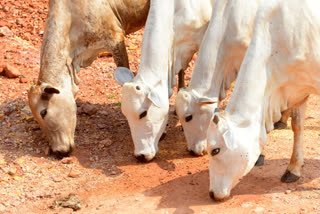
(106, 136)
(103, 139)
(261, 180)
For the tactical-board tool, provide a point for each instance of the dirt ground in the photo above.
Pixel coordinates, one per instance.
(102, 170)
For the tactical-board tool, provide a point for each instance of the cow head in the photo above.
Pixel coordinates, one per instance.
(55, 111)
(195, 113)
(232, 152)
(146, 112)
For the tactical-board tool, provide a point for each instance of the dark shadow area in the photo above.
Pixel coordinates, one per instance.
(193, 190)
(103, 139)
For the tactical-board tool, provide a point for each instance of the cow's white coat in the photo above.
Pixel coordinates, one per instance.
(280, 69)
(220, 56)
(173, 33)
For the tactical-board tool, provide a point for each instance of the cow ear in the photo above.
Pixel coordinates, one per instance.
(154, 97)
(229, 140)
(123, 75)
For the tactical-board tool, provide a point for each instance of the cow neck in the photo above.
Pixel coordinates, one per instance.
(55, 59)
(246, 105)
(223, 47)
(157, 41)
(206, 79)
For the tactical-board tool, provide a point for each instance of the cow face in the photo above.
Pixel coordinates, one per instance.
(194, 113)
(146, 113)
(232, 155)
(55, 111)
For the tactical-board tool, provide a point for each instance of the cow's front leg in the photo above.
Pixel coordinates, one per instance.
(292, 173)
(120, 55)
(282, 123)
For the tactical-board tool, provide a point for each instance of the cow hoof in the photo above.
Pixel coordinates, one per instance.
(280, 125)
(260, 161)
(289, 177)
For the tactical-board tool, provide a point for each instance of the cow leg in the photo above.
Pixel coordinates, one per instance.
(120, 55)
(181, 79)
(282, 123)
(292, 173)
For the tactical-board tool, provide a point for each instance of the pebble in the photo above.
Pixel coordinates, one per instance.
(73, 173)
(67, 160)
(106, 142)
(12, 172)
(89, 109)
(57, 179)
(113, 173)
(11, 71)
(5, 31)
(23, 80)
(287, 191)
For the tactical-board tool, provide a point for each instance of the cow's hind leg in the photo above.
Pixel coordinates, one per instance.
(282, 123)
(292, 173)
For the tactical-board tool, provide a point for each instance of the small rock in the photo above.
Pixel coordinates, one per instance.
(1, 116)
(189, 173)
(74, 173)
(19, 21)
(5, 31)
(72, 201)
(41, 32)
(5, 8)
(67, 160)
(89, 109)
(28, 118)
(287, 191)
(57, 179)
(113, 173)
(23, 80)
(12, 172)
(11, 71)
(106, 142)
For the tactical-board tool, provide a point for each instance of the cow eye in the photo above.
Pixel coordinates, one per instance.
(43, 113)
(143, 114)
(188, 118)
(215, 151)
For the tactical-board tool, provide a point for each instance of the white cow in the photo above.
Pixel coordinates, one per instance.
(280, 70)
(172, 35)
(219, 59)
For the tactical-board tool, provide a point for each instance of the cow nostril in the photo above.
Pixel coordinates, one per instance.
(211, 194)
(141, 158)
(61, 155)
